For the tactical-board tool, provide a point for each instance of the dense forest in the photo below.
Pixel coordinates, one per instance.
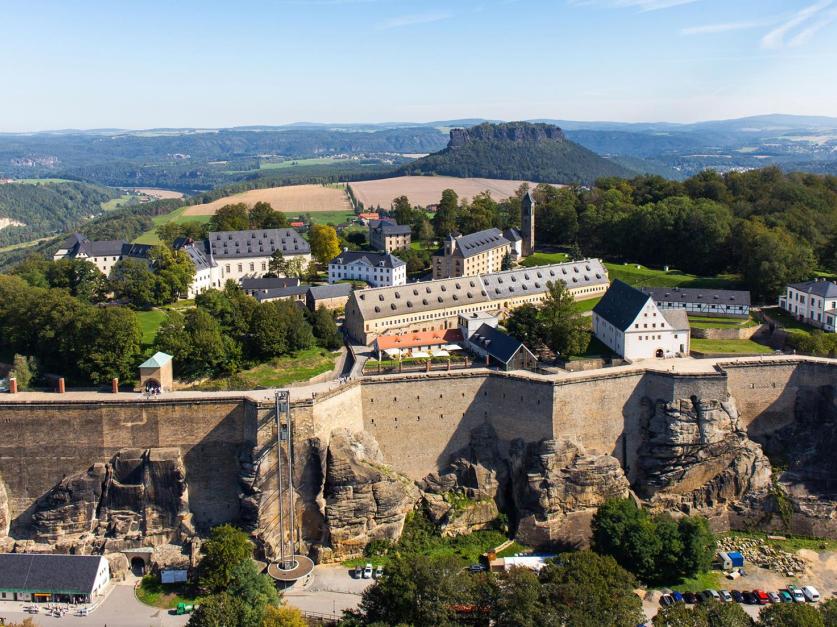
(523, 151)
(48, 208)
(771, 228)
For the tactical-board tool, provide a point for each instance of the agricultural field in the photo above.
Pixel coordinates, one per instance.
(293, 163)
(178, 216)
(427, 190)
(292, 199)
(157, 194)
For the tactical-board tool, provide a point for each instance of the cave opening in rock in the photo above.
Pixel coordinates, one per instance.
(138, 566)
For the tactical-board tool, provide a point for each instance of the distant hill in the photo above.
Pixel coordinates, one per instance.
(36, 211)
(516, 150)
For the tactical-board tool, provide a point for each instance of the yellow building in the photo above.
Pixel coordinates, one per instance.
(468, 255)
(436, 305)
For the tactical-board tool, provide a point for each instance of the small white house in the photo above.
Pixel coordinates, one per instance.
(813, 302)
(377, 269)
(51, 578)
(631, 324)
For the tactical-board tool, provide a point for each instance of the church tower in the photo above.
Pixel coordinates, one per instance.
(527, 223)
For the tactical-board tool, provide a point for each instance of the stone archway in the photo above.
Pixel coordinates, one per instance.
(660, 354)
(139, 560)
(138, 566)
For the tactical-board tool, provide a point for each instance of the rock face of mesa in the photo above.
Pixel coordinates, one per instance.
(516, 150)
(5, 519)
(695, 455)
(139, 497)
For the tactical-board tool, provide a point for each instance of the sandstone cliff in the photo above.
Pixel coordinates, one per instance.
(364, 499)
(557, 487)
(696, 455)
(5, 519)
(139, 497)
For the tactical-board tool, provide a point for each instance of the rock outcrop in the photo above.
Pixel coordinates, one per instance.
(471, 491)
(364, 499)
(140, 496)
(696, 455)
(5, 518)
(557, 487)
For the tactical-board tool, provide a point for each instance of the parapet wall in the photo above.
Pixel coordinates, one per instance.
(418, 420)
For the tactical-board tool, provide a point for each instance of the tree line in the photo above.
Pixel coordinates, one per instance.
(228, 331)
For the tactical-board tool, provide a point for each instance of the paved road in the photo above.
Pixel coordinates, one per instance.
(120, 609)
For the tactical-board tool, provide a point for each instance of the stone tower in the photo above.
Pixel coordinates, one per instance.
(527, 223)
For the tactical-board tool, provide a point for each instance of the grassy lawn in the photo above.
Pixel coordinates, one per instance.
(788, 322)
(165, 596)
(282, 371)
(11, 247)
(730, 347)
(293, 163)
(514, 547)
(708, 322)
(542, 259)
(703, 581)
(647, 277)
(586, 305)
(150, 322)
(323, 217)
(43, 181)
(115, 203)
(595, 349)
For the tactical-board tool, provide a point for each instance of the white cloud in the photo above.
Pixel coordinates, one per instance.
(805, 35)
(411, 20)
(725, 27)
(642, 5)
(776, 37)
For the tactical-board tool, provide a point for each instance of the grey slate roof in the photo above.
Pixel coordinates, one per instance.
(383, 302)
(387, 228)
(677, 318)
(481, 241)
(823, 289)
(196, 252)
(375, 260)
(36, 572)
(256, 243)
(512, 234)
(621, 304)
(335, 290)
(267, 283)
(281, 292)
(697, 296)
(77, 244)
(102, 248)
(501, 346)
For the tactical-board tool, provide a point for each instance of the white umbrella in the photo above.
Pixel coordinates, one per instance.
(393, 352)
(440, 353)
(452, 347)
(421, 354)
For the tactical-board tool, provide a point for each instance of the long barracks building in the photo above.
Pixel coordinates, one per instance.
(436, 305)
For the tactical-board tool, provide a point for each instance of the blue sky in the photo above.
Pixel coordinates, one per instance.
(149, 63)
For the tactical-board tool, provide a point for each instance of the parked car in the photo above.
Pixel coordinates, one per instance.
(774, 597)
(367, 571)
(785, 596)
(476, 568)
(379, 571)
(690, 597)
(725, 595)
(796, 594)
(811, 593)
(749, 597)
(737, 596)
(713, 594)
(666, 600)
(678, 598)
(761, 597)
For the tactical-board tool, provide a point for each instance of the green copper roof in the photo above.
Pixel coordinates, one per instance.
(157, 360)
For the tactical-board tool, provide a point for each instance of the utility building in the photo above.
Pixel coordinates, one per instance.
(49, 578)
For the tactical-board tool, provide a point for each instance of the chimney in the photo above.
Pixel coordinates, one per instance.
(61, 387)
(12, 385)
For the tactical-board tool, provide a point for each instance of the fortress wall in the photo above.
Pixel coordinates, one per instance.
(341, 410)
(766, 393)
(41, 443)
(420, 422)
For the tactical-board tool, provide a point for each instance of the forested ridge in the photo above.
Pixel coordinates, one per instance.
(520, 150)
(48, 208)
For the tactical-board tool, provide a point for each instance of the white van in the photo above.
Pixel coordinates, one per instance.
(811, 593)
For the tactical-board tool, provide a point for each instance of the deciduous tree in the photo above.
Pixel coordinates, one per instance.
(324, 243)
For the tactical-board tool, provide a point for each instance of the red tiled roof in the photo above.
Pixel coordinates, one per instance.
(423, 338)
(368, 216)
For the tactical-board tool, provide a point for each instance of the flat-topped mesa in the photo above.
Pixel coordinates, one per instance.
(512, 132)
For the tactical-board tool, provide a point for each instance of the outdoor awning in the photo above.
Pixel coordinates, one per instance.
(393, 352)
(421, 354)
(440, 353)
(452, 347)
